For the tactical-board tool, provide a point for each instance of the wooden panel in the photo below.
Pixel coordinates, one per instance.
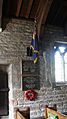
(23, 113)
(19, 116)
(29, 8)
(1, 4)
(45, 5)
(58, 114)
(23, 10)
(18, 7)
(34, 8)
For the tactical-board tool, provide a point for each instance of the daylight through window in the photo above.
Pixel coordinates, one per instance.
(60, 63)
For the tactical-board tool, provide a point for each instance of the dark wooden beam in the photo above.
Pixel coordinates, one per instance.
(34, 9)
(1, 5)
(46, 10)
(57, 13)
(42, 14)
(39, 9)
(23, 10)
(28, 8)
(65, 3)
(19, 3)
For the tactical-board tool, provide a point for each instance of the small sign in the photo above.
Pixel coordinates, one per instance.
(30, 75)
(29, 67)
(30, 83)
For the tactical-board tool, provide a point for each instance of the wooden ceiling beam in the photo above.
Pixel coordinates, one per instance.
(34, 8)
(57, 13)
(29, 8)
(23, 10)
(39, 8)
(1, 5)
(65, 3)
(19, 3)
(41, 17)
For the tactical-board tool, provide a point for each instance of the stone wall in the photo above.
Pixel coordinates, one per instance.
(14, 40)
(56, 95)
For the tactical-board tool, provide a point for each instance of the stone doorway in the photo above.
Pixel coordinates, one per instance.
(5, 90)
(4, 93)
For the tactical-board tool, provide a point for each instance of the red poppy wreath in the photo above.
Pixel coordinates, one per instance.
(30, 95)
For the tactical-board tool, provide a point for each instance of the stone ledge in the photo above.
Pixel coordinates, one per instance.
(39, 118)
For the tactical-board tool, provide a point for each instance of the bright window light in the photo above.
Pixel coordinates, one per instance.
(60, 64)
(62, 49)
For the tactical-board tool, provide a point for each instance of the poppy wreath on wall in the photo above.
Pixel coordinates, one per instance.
(30, 95)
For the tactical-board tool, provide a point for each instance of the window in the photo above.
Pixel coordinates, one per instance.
(60, 56)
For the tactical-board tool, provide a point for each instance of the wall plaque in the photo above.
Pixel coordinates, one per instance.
(30, 75)
(30, 83)
(29, 67)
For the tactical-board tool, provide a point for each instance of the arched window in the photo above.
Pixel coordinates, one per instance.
(60, 56)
